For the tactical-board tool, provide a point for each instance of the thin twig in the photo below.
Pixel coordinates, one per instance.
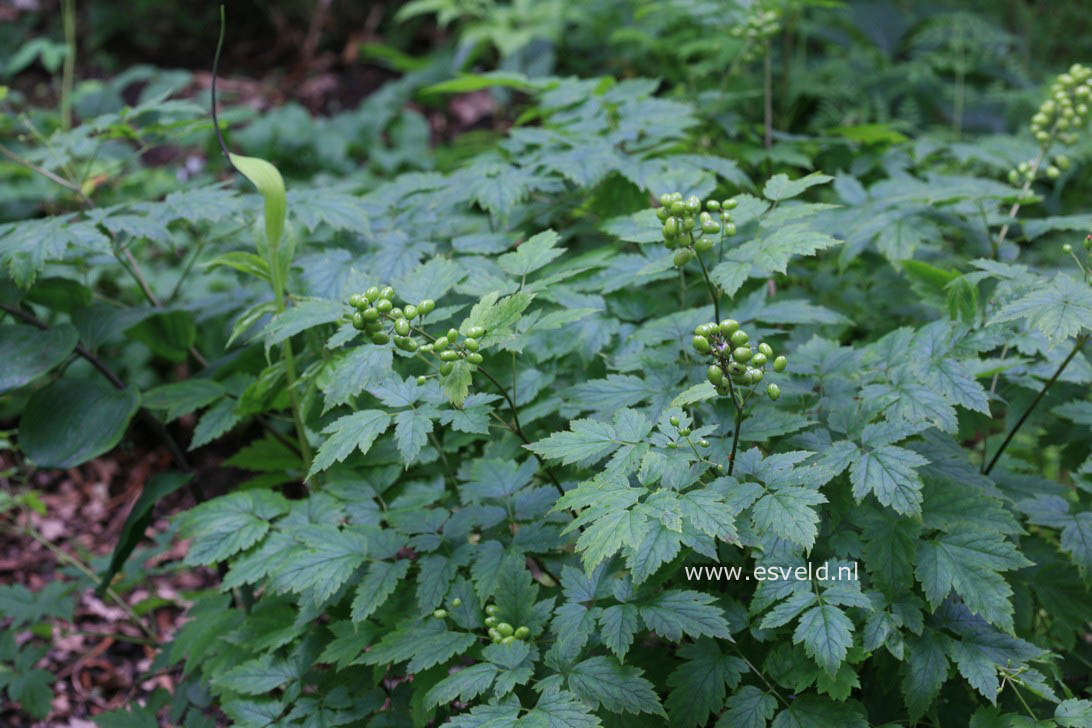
(1038, 398)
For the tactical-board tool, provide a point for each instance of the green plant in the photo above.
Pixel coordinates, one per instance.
(522, 445)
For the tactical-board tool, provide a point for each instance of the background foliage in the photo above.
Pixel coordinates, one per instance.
(897, 233)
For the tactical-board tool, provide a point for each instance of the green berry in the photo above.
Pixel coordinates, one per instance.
(728, 327)
(730, 229)
(712, 205)
(426, 307)
(471, 344)
(358, 321)
(372, 294)
(674, 421)
(456, 602)
(715, 374)
(773, 390)
(703, 245)
(440, 344)
(684, 431)
(780, 363)
(765, 349)
(505, 629)
(440, 613)
(740, 337)
(357, 301)
(411, 311)
(666, 199)
(449, 355)
(701, 344)
(402, 327)
(758, 360)
(678, 207)
(491, 609)
(380, 338)
(490, 621)
(742, 354)
(387, 292)
(1053, 172)
(474, 358)
(384, 305)
(1067, 248)
(522, 633)
(397, 313)
(703, 443)
(475, 332)
(447, 367)
(662, 213)
(495, 635)
(507, 640)
(693, 204)
(370, 314)
(681, 257)
(407, 343)
(422, 380)
(671, 227)
(729, 204)
(754, 376)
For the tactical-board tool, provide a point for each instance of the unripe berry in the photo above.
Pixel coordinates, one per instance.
(754, 376)
(505, 629)
(358, 321)
(674, 421)
(712, 205)
(421, 380)
(452, 335)
(370, 314)
(475, 332)
(684, 432)
(426, 307)
(384, 305)
(703, 443)
(402, 327)
(671, 227)
(765, 348)
(693, 204)
(740, 337)
(357, 301)
(522, 633)
(728, 327)
(474, 358)
(397, 313)
(759, 359)
(681, 257)
(773, 390)
(1067, 248)
(490, 621)
(508, 640)
(729, 204)
(780, 363)
(704, 245)
(447, 367)
(410, 311)
(701, 344)
(715, 374)
(372, 294)
(380, 338)
(439, 613)
(1053, 172)
(387, 292)
(456, 602)
(742, 354)
(449, 355)
(471, 344)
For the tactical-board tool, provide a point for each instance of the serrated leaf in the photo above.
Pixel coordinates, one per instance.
(780, 187)
(352, 432)
(181, 398)
(228, 524)
(618, 688)
(888, 472)
(826, 633)
(675, 613)
(789, 513)
(1059, 309)
(532, 254)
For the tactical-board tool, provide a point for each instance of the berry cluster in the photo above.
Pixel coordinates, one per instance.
(498, 631)
(1058, 118)
(377, 315)
(759, 26)
(687, 227)
(735, 361)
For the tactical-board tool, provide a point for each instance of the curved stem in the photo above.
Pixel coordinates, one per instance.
(1034, 403)
(712, 288)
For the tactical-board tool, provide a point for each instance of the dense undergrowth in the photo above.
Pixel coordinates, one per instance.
(767, 296)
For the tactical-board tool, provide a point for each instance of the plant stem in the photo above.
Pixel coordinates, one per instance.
(68, 13)
(767, 104)
(712, 288)
(735, 438)
(1038, 398)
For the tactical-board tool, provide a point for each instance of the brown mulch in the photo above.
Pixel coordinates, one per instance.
(101, 658)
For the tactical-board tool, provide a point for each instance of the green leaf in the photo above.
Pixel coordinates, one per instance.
(700, 684)
(422, 645)
(1074, 713)
(969, 563)
(411, 431)
(696, 393)
(257, 677)
(249, 263)
(677, 612)
(33, 691)
(216, 420)
(469, 82)
(226, 525)
(826, 633)
(788, 513)
(346, 434)
(618, 688)
(888, 472)
(23, 606)
(29, 352)
(74, 420)
(457, 383)
(323, 559)
(926, 670)
(181, 398)
(270, 184)
(1059, 309)
(771, 253)
(810, 711)
(749, 707)
(618, 624)
(306, 314)
(169, 334)
(531, 254)
(351, 373)
(559, 709)
(465, 685)
(780, 187)
(378, 584)
(139, 518)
